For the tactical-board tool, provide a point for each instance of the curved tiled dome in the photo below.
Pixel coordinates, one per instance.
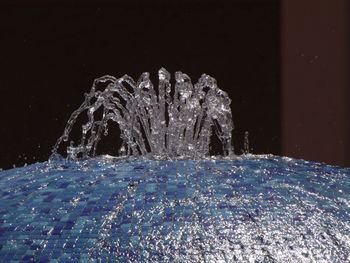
(251, 209)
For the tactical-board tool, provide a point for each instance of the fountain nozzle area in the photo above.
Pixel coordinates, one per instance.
(162, 123)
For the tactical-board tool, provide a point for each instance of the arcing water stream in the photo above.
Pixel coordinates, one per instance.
(254, 208)
(171, 123)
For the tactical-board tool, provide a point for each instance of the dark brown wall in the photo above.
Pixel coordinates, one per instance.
(51, 53)
(315, 80)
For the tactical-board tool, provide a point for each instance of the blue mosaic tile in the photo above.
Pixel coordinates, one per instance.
(175, 211)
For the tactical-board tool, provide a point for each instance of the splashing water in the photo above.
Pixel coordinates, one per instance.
(156, 125)
(249, 208)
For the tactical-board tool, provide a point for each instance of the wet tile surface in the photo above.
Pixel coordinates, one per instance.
(258, 209)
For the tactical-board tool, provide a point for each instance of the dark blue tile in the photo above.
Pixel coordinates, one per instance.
(49, 198)
(45, 211)
(28, 242)
(28, 257)
(34, 247)
(64, 185)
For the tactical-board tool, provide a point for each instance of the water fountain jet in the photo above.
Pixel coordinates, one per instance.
(252, 208)
(172, 126)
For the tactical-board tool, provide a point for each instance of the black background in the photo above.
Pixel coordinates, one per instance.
(51, 53)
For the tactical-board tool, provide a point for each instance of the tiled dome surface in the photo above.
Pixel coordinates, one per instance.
(257, 209)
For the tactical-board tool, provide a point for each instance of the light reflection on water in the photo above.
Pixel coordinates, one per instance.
(250, 209)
